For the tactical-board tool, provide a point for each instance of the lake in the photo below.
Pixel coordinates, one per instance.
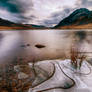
(35, 45)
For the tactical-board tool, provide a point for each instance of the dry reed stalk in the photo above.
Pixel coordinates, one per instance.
(77, 57)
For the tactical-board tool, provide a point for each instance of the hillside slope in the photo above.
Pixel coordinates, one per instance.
(80, 18)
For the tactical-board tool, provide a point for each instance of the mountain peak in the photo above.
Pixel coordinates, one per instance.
(81, 10)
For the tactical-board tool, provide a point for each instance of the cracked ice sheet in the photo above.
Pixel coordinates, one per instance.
(83, 82)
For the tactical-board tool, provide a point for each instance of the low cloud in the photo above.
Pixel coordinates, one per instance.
(85, 4)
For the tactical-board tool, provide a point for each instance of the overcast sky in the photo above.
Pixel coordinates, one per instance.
(40, 12)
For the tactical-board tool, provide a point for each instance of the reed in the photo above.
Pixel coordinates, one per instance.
(77, 57)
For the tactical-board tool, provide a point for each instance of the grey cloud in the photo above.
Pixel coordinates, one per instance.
(67, 10)
(17, 9)
(16, 6)
(22, 5)
(56, 17)
(9, 6)
(85, 3)
(26, 19)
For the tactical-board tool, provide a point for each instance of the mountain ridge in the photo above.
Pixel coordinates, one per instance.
(79, 17)
(6, 24)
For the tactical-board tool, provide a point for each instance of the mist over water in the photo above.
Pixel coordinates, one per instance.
(56, 44)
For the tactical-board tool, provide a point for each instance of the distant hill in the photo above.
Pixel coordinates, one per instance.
(5, 24)
(80, 18)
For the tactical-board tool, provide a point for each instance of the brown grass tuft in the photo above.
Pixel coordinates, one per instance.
(77, 57)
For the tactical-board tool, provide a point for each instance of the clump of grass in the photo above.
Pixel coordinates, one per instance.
(77, 57)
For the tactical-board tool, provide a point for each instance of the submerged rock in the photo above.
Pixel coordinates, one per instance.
(25, 45)
(28, 45)
(22, 75)
(40, 46)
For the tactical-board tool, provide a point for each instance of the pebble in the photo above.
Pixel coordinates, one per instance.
(22, 75)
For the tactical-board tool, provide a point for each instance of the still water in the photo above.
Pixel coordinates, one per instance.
(56, 44)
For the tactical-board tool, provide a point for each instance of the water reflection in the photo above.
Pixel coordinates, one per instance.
(9, 45)
(55, 43)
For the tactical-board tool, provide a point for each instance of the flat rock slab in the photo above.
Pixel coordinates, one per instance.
(61, 78)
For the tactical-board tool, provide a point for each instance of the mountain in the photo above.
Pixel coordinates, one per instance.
(80, 18)
(5, 24)
(9, 23)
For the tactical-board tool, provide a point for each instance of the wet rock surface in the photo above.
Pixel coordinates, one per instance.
(40, 46)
